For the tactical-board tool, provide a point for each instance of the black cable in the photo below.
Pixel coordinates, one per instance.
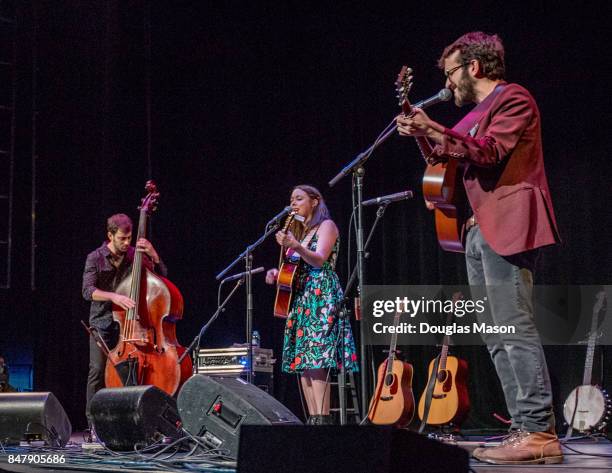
(53, 436)
(224, 459)
(349, 270)
(601, 455)
(222, 452)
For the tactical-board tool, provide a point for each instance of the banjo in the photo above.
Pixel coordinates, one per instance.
(587, 407)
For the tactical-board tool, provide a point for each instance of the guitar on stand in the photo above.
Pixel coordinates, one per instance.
(442, 184)
(288, 268)
(587, 408)
(393, 400)
(449, 402)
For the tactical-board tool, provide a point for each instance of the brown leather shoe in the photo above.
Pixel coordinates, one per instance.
(526, 448)
(479, 451)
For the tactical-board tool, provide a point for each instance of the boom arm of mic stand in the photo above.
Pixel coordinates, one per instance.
(269, 230)
(363, 156)
(204, 328)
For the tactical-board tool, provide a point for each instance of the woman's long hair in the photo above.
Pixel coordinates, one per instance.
(320, 214)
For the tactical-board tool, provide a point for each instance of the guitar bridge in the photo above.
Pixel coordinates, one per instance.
(386, 398)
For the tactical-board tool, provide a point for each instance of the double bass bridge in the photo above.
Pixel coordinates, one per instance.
(137, 341)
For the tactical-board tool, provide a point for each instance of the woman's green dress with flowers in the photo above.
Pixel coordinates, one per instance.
(309, 343)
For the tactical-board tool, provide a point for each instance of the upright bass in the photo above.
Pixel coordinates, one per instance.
(148, 350)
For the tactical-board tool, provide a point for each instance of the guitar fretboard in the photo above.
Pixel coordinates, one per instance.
(590, 353)
(393, 345)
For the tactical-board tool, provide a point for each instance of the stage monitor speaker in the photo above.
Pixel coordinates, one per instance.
(124, 418)
(345, 449)
(33, 416)
(217, 408)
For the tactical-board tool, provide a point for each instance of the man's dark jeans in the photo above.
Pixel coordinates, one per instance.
(518, 358)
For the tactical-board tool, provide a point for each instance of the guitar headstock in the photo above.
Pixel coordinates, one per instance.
(290, 218)
(403, 85)
(149, 202)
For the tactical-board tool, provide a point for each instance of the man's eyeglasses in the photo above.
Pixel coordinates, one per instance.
(452, 70)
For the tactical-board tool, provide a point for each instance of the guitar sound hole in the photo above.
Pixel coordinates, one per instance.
(442, 376)
(389, 380)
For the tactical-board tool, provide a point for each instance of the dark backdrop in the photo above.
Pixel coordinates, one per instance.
(228, 105)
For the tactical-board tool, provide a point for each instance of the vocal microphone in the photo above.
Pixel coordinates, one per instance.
(443, 96)
(280, 215)
(387, 199)
(244, 273)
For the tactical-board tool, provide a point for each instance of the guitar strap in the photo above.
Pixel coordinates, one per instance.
(434, 373)
(429, 394)
(468, 125)
(312, 236)
(376, 397)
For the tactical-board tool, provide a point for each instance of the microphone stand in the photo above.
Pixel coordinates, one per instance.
(356, 166)
(344, 311)
(379, 215)
(195, 344)
(271, 227)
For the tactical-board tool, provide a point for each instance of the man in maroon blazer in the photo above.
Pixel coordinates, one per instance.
(500, 144)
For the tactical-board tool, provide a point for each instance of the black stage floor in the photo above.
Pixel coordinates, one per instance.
(592, 455)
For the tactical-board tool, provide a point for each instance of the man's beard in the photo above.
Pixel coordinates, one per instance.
(466, 92)
(118, 251)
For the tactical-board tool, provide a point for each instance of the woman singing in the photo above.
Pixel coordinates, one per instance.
(312, 334)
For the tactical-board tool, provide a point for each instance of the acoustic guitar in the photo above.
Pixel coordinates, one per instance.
(441, 182)
(393, 400)
(587, 408)
(450, 402)
(287, 272)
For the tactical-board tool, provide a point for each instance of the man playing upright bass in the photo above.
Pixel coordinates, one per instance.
(105, 268)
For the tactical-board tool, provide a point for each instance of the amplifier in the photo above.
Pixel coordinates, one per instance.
(232, 362)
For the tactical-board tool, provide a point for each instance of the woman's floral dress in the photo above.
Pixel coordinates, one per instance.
(317, 298)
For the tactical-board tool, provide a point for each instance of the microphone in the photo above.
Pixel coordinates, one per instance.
(387, 199)
(244, 273)
(443, 96)
(280, 215)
